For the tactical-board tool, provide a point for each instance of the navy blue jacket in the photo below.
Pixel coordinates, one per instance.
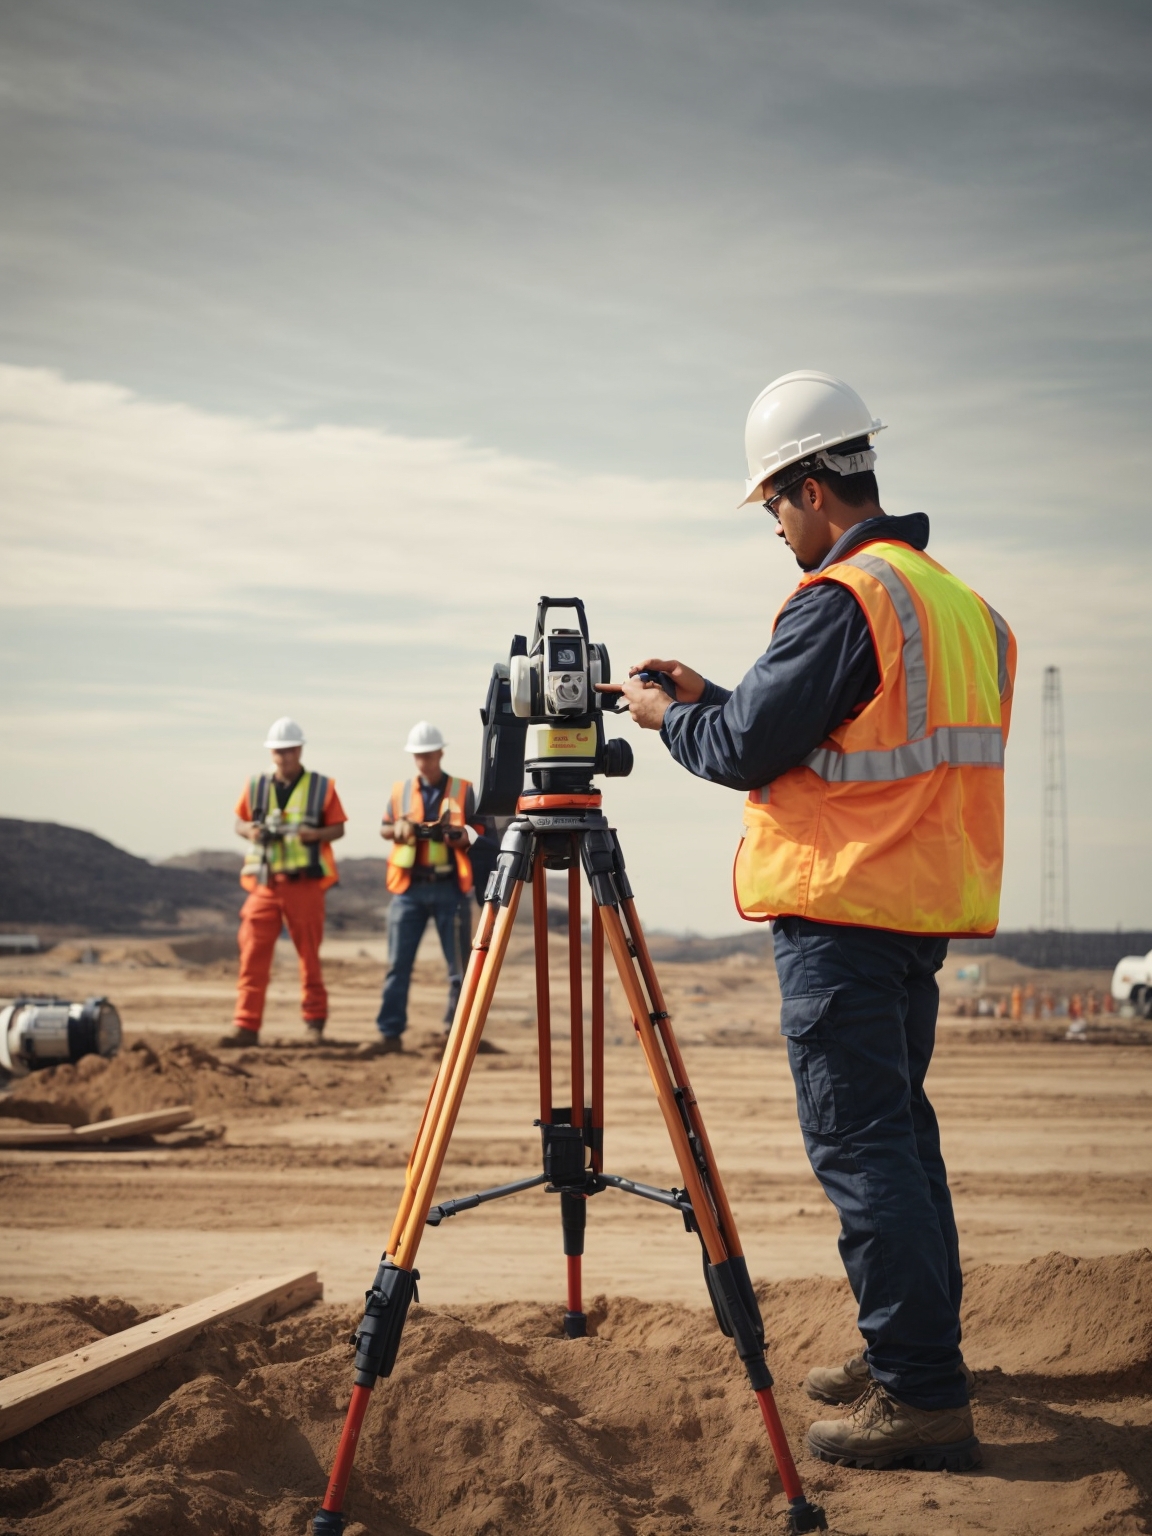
(819, 669)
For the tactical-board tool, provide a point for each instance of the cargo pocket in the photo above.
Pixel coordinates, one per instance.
(800, 1021)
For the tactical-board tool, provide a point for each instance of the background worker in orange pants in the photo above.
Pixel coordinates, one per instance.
(291, 817)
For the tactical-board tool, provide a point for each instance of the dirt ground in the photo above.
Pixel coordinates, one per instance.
(493, 1422)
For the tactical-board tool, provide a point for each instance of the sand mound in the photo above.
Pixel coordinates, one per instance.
(494, 1423)
(1065, 1318)
(155, 1072)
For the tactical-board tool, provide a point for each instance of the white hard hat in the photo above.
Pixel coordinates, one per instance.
(424, 737)
(284, 733)
(797, 415)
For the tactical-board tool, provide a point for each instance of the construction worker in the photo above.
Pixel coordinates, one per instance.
(431, 824)
(869, 738)
(291, 817)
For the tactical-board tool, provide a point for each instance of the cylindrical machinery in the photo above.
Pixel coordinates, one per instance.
(45, 1031)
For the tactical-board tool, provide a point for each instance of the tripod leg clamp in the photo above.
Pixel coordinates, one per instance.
(514, 863)
(738, 1313)
(385, 1308)
(604, 866)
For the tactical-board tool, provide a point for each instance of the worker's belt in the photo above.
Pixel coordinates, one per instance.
(423, 873)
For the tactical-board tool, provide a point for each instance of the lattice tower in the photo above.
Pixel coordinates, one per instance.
(1054, 904)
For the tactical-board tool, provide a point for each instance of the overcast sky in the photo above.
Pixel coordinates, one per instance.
(333, 335)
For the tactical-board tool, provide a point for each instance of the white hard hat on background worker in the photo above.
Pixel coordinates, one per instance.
(284, 733)
(424, 737)
(801, 414)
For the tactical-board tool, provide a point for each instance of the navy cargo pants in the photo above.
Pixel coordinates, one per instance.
(859, 1011)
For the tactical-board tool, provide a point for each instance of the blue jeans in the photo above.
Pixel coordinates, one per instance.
(407, 918)
(858, 1009)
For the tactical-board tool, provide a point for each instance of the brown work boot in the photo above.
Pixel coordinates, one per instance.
(314, 1031)
(386, 1045)
(841, 1384)
(237, 1039)
(883, 1432)
(838, 1383)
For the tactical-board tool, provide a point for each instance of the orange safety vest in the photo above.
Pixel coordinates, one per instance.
(897, 820)
(408, 805)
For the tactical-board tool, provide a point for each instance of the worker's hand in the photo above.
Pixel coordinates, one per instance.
(647, 703)
(309, 835)
(689, 684)
(403, 832)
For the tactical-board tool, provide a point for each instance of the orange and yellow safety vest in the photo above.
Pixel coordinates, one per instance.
(287, 856)
(897, 820)
(408, 804)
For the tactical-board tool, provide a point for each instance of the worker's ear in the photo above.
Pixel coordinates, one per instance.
(811, 495)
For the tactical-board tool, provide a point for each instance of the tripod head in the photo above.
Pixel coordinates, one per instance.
(551, 688)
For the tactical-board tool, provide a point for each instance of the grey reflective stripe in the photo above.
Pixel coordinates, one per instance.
(317, 794)
(313, 814)
(915, 667)
(406, 798)
(259, 796)
(1001, 651)
(958, 746)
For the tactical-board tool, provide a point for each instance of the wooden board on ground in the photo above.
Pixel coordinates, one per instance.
(152, 1123)
(35, 1135)
(36, 1394)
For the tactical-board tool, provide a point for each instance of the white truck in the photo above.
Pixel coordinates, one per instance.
(1132, 984)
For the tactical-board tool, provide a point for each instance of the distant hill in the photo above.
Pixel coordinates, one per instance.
(56, 879)
(61, 878)
(358, 901)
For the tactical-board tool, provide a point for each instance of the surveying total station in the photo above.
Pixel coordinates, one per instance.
(559, 685)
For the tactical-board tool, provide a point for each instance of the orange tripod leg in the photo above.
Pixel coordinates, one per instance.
(597, 1040)
(679, 1072)
(732, 1296)
(665, 1088)
(386, 1305)
(435, 1101)
(425, 1179)
(543, 995)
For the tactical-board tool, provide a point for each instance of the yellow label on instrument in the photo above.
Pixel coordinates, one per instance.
(552, 741)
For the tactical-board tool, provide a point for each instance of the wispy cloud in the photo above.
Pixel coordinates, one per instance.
(395, 316)
(176, 576)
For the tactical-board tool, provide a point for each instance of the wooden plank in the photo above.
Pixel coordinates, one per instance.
(36, 1394)
(34, 1135)
(151, 1123)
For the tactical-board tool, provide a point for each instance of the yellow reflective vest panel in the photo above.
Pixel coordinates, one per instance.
(287, 855)
(407, 803)
(897, 820)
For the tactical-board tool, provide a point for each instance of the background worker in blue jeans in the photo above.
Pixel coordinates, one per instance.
(431, 824)
(870, 739)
